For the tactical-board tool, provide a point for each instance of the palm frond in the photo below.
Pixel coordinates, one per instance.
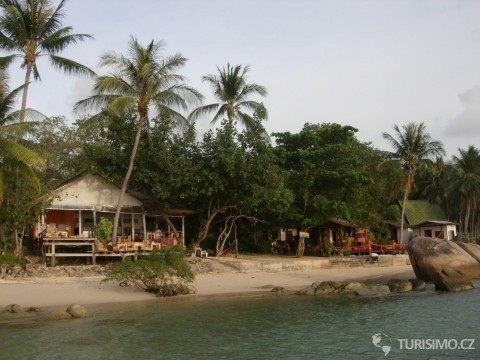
(223, 109)
(6, 43)
(36, 74)
(93, 102)
(54, 21)
(31, 115)
(70, 66)
(13, 151)
(61, 39)
(114, 85)
(121, 105)
(202, 111)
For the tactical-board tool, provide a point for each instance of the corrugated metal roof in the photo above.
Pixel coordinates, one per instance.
(420, 211)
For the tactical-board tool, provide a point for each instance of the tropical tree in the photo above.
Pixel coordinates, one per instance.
(325, 173)
(30, 29)
(18, 179)
(14, 151)
(142, 79)
(237, 181)
(412, 145)
(467, 183)
(230, 87)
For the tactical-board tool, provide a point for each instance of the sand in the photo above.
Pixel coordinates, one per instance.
(61, 291)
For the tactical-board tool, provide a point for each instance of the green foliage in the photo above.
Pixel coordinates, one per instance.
(31, 29)
(8, 259)
(103, 230)
(231, 89)
(325, 173)
(164, 272)
(20, 208)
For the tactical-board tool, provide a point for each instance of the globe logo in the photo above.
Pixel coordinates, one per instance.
(382, 341)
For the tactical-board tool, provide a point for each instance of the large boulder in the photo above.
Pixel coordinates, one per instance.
(373, 290)
(327, 287)
(450, 265)
(14, 309)
(418, 285)
(58, 315)
(77, 311)
(398, 285)
(350, 288)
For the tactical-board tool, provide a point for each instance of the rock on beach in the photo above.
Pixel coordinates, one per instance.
(450, 265)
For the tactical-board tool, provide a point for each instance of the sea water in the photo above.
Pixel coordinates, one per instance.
(260, 327)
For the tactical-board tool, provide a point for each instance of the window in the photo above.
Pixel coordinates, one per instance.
(427, 233)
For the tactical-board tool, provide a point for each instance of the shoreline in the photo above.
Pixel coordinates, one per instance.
(57, 292)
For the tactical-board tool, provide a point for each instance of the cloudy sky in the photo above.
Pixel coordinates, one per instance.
(366, 63)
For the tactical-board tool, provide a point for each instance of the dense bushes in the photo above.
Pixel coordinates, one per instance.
(164, 272)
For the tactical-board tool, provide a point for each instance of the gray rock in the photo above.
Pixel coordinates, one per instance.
(278, 290)
(350, 288)
(450, 265)
(14, 309)
(34, 309)
(78, 311)
(306, 291)
(397, 285)
(374, 290)
(418, 285)
(472, 249)
(58, 315)
(327, 287)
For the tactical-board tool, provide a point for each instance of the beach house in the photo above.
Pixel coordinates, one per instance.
(81, 201)
(423, 218)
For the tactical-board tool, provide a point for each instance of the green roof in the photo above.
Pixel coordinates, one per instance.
(420, 211)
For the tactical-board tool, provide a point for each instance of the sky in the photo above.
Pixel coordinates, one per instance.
(371, 64)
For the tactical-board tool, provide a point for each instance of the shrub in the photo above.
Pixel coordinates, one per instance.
(164, 272)
(7, 260)
(103, 230)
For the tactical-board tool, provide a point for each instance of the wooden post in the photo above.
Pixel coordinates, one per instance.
(144, 231)
(52, 258)
(183, 230)
(80, 231)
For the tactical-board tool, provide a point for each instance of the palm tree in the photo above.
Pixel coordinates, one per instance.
(468, 182)
(17, 159)
(232, 90)
(32, 29)
(432, 181)
(14, 150)
(412, 146)
(141, 80)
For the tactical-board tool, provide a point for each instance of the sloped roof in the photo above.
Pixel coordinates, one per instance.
(89, 191)
(421, 211)
(92, 191)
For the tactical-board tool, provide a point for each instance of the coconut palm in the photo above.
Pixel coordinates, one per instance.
(30, 29)
(15, 154)
(230, 87)
(139, 81)
(412, 145)
(467, 182)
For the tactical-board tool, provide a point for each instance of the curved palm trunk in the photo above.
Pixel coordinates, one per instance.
(25, 92)
(125, 181)
(402, 219)
(467, 216)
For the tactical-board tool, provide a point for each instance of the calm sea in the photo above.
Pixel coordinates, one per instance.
(268, 327)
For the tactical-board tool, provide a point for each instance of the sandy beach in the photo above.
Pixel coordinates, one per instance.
(61, 291)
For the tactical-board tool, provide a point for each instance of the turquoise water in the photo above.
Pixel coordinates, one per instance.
(269, 327)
